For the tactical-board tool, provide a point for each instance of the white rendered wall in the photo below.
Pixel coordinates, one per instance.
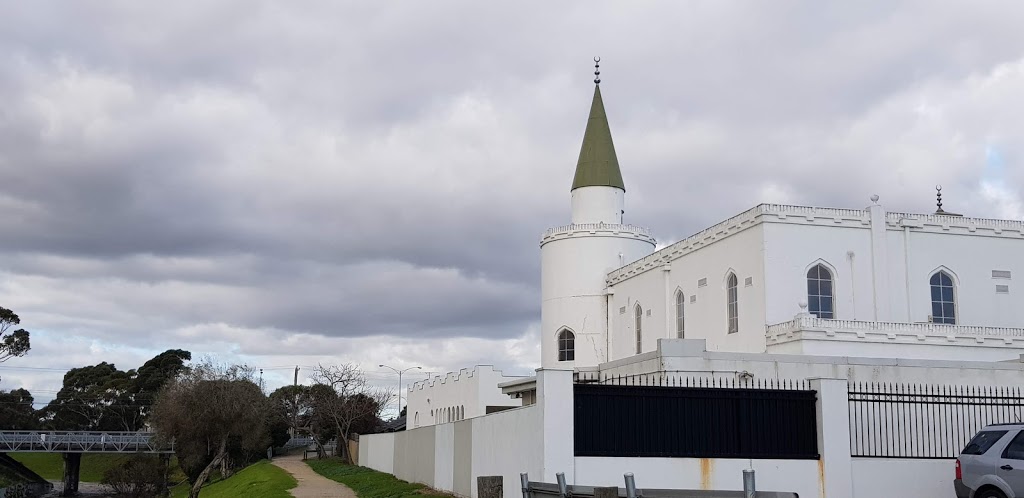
(573, 271)
(444, 457)
(685, 356)
(799, 476)
(469, 392)
(790, 249)
(705, 318)
(597, 205)
(874, 477)
(377, 451)
(506, 444)
(938, 348)
(971, 259)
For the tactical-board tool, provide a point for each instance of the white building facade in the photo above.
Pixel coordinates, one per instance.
(457, 396)
(830, 298)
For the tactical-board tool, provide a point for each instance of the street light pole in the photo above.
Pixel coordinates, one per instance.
(400, 372)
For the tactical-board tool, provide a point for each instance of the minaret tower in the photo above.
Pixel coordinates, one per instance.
(576, 258)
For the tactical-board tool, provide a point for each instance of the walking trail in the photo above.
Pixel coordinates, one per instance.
(311, 484)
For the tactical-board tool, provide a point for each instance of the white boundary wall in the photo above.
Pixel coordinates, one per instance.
(903, 477)
(538, 439)
(701, 473)
(450, 456)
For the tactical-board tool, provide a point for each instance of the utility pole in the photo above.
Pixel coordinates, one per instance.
(295, 404)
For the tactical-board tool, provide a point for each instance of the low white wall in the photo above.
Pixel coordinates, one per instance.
(414, 455)
(913, 478)
(799, 476)
(506, 444)
(377, 451)
(444, 457)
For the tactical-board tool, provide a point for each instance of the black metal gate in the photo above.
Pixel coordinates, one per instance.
(703, 422)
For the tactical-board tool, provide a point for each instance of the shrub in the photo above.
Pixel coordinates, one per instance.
(138, 477)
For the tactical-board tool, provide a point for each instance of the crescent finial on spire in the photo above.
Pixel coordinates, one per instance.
(597, 70)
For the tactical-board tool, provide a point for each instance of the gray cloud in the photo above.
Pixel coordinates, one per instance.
(251, 178)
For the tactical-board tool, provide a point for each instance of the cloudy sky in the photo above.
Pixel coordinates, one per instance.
(289, 183)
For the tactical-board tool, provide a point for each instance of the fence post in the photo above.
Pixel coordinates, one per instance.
(524, 481)
(489, 487)
(562, 490)
(555, 402)
(630, 485)
(749, 488)
(833, 419)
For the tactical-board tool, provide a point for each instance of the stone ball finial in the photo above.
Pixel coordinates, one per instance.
(802, 305)
(874, 198)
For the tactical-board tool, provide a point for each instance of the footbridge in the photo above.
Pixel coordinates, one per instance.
(82, 442)
(72, 444)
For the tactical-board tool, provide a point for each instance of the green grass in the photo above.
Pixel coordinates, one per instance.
(259, 480)
(51, 465)
(368, 483)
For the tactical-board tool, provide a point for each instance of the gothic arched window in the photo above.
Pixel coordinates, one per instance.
(820, 293)
(732, 303)
(943, 298)
(680, 321)
(566, 345)
(639, 312)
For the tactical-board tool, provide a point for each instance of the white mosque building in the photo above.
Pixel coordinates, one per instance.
(837, 286)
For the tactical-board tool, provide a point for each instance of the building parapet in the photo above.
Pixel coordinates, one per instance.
(808, 215)
(452, 377)
(811, 327)
(980, 226)
(619, 230)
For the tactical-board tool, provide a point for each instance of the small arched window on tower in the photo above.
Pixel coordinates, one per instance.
(732, 303)
(943, 298)
(680, 322)
(820, 295)
(639, 312)
(566, 345)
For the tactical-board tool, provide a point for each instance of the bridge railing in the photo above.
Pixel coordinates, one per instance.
(82, 442)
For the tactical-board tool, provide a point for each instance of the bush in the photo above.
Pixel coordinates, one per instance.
(138, 477)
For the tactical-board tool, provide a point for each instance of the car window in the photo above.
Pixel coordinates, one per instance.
(1015, 450)
(982, 442)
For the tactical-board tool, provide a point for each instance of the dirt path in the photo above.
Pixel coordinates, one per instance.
(311, 484)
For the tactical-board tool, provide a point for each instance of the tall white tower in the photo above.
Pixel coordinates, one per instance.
(576, 258)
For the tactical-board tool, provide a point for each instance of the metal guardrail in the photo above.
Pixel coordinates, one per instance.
(81, 442)
(562, 490)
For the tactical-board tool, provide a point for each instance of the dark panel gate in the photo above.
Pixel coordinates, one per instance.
(698, 422)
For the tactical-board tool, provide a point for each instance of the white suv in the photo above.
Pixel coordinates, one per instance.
(992, 464)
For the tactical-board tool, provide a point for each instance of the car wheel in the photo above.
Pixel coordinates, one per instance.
(990, 493)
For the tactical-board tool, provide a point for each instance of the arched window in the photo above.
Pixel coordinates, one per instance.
(462, 412)
(820, 295)
(943, 298)
(416, 420)
(732, 303)
(680, 322)
(566, 346)
(639, 332)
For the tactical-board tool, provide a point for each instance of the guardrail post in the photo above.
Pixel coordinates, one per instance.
(562, 490)
(749, 488)
(489, 487)
(630, 485)
(524, 481)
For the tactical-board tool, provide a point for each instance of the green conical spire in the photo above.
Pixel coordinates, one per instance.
(598, 166)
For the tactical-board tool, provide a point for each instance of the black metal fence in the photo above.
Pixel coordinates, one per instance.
(925, 421)
(664, 415)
